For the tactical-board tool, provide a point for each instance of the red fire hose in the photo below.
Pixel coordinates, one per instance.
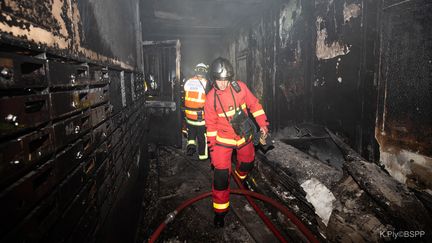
(260, 213)
(306, 232)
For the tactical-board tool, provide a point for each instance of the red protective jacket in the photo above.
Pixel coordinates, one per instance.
(219, 130)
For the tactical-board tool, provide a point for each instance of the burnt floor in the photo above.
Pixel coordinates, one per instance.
(175, 178)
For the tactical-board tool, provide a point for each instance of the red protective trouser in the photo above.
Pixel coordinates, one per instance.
(221, 159)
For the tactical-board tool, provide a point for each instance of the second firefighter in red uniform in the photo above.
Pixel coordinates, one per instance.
(227, 98)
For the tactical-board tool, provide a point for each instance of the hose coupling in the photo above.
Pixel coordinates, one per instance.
(170, 217)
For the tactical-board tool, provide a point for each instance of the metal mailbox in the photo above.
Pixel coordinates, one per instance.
(70, 186)
(100, 133)
(99, 114)
(69, 158)
(114, 138)
(22, 112)
(67, 74)
(100, 154)
(22, 72)
(87, 144)
(18, 155)
(22, 196)
(102, 172)
(70, 129)
(98, 75)
(98, 95)
(64, 103)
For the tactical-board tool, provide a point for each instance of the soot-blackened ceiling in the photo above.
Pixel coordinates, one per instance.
(165, 19)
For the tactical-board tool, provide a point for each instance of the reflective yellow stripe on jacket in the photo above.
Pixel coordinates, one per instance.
(232, 112)
(212, 134)
(258, 113)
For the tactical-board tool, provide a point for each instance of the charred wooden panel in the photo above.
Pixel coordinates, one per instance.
(344, 66)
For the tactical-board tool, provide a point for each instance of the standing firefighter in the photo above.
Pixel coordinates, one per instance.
(228, 128)
(195, 96)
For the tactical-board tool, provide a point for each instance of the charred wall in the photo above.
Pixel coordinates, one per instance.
(404, 118)
(315, 62)
(72, 137)
(334, 63)
(102, 31)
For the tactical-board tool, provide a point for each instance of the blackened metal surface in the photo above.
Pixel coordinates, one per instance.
(98, 74)
(23, 112)
(70, 129)
(64, 74)
(68, 159)
(19, 72)
(17, 156)
(17, 200)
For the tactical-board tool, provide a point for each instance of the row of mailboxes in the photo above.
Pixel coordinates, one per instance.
(70, 133)
(71, 169)
(22, 113)
(24, 72)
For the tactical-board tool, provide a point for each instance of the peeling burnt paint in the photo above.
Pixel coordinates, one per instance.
(316, 62)
(351, 11)
(56, 26)
(324, 50)
(287, 18)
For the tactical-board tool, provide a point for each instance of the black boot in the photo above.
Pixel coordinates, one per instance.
(219, 220)
(190, 150)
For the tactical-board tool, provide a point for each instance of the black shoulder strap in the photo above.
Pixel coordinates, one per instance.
(220, 103)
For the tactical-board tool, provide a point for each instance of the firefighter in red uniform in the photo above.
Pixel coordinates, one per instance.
(226, 110)
(195, 95)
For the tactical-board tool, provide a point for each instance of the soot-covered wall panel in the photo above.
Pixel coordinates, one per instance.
(345, 54)
(314, 62)
(404, 128)
(326, 64)
(100, 31)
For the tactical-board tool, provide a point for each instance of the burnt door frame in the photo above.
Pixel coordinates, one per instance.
(164, 111)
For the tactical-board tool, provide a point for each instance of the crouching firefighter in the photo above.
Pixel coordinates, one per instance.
(195, 95)
(229, 127)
